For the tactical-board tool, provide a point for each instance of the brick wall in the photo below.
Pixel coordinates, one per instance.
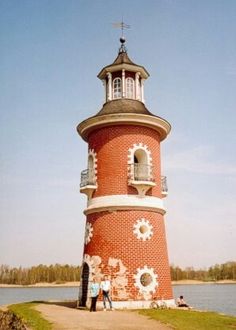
(112, 146)
(116, 245)
(113, 237)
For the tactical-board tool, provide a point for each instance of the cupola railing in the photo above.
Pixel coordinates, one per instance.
(87, 178)
(141, 177)
(141, 172)
(164, 186)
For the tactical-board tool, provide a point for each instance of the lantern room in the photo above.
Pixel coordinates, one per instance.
(123, 78)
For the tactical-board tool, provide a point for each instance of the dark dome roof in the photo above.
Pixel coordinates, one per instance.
(123, 58)
(124, 106)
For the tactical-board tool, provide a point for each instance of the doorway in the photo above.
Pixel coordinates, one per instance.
(85, 281)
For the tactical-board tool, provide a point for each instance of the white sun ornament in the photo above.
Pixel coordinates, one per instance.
(143, 229)
(146, 281)
(88, 232)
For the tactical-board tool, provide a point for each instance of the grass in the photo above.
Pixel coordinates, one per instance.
(30, 316)
(176, 319)
(191, 320)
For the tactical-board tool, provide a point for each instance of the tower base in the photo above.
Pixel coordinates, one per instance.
(136, 304)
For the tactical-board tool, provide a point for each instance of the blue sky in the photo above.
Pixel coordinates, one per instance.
(51, 52)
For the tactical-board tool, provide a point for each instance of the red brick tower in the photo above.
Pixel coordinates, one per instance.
(125, 233)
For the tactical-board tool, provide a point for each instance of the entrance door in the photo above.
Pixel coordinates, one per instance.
(85, 280)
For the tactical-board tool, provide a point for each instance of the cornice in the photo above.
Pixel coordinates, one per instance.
(158, 124)
(127, 66)
(114, 203)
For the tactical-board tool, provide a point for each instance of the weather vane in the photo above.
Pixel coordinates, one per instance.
(121, 25)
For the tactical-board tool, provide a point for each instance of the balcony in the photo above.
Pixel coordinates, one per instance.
(88, 182)
(164, 187)
(140, 177)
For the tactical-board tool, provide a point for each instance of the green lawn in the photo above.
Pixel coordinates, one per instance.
(30, 316)
(191, 320)
(177, 319)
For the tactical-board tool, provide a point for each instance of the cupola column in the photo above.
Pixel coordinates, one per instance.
(142, 91)
(109, 96)
(105, 89)
(123, 82)
(137, 88)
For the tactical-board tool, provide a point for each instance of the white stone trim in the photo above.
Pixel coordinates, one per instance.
(88, 232)
(137, 229)
(125, 202)
(146, 290)
(136, 304)
(156, 123)
(136, 147)
(131, 153)
(93, 263)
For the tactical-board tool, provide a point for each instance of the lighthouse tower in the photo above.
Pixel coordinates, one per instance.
(125, 232)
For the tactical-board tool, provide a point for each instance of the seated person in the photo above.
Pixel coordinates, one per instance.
(181, 302)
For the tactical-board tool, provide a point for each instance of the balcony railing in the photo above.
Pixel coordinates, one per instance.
(141, 172)
(164, 187)
(87, 178)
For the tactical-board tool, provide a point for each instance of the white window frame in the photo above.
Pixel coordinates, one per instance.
(130, 88)
(117, 88)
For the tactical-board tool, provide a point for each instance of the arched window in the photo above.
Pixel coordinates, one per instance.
(117, 88)
(141, 166)
(130, 88)
(91, 176)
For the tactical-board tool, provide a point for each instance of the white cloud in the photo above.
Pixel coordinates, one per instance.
(198, 160)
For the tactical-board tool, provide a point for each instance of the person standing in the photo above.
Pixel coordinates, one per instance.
(94, 292)
(105, 287)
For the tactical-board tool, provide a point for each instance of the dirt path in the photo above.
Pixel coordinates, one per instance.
(64, 318)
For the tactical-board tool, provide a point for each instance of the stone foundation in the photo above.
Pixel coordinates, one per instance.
(138, 304)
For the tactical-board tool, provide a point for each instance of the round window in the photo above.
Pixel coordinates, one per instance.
(143, 229)
(146, 279)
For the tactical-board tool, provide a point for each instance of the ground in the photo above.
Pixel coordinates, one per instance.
(64, 318)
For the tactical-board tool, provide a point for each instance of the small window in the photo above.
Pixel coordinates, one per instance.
(91, 174)
(117, 88)
(146, 279)
(130, 88)
(141, 166)
(140, 156)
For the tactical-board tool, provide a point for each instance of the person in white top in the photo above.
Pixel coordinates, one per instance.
(105, 287)
(181, 302)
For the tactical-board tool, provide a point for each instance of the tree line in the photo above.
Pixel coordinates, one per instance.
(66, 273)
(226, 271)
(41, 273)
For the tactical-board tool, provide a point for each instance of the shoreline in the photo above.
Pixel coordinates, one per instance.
(41, 285)
(76, 284)
(196, 282)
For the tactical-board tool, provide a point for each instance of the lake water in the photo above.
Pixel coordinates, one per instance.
(215, 297)
(212, 297)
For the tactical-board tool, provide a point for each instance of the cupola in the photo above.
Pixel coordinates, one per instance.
(123, 79)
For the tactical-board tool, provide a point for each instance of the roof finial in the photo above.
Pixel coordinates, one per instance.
(122, 26)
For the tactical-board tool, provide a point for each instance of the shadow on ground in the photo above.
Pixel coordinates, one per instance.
(68, 304)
